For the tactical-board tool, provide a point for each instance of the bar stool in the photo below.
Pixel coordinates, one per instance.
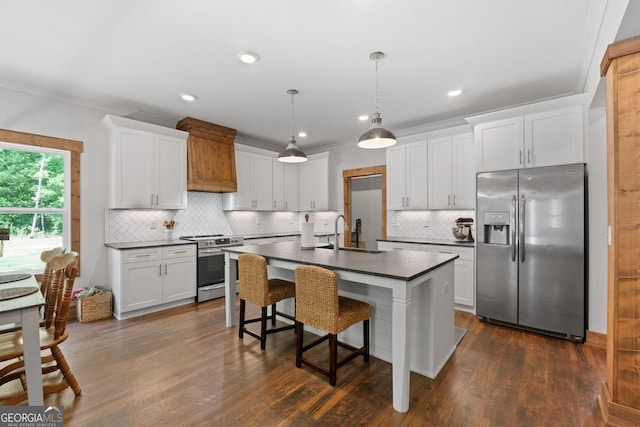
(258, 289)
(318, 305)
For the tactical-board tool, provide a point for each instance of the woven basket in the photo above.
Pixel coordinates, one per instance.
(94, 307)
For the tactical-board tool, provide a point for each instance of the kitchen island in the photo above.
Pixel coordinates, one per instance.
(411, 296)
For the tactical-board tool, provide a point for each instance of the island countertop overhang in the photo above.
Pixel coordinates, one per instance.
(401, 265)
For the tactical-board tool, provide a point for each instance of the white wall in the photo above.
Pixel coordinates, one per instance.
(44, 116)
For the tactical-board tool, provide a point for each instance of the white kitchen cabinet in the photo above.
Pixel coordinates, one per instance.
(147, 165)
(315, 177)
(547, 138)
(285, 186)
(451, 172)
(151, 279)
(407, 176)
(254, 173)
(464, 293)
(391, 246)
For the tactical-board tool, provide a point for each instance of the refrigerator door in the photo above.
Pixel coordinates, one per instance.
(496, 250)
(551, 249)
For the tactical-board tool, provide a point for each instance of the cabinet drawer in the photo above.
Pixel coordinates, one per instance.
(178, 251)
(464, 253)
(390, 246)
(139, 255)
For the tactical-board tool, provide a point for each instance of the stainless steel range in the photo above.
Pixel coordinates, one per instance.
(211, 263)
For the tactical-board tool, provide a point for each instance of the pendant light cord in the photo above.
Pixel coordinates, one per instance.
(292, 114)
(376, 84)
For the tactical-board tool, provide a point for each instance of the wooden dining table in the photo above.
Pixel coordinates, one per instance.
(24, 312)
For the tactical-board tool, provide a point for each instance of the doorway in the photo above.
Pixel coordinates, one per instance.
(376, 185)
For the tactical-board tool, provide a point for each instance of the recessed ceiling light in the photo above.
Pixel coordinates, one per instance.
(455, 92)
(248, 57)
(302, 134)
(187, 97)
(363, 117)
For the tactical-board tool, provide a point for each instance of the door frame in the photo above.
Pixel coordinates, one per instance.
(347, 175)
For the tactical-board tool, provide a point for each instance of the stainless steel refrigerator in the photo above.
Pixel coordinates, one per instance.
(530, 260)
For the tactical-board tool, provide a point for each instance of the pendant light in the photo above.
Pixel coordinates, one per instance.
(376, 136)
(292, 154)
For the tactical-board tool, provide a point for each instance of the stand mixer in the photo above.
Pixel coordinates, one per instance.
(462, 230)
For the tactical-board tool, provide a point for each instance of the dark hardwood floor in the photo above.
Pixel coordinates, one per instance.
(183, 367)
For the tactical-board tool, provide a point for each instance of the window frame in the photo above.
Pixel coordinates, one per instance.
(74, 148)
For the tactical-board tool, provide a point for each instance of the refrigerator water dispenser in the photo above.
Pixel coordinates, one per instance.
(496, 228)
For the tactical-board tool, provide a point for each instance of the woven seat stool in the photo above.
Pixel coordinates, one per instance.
(257, 288)
(319, 305)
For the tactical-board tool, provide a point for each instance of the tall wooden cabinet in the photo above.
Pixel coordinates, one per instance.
(620, 398)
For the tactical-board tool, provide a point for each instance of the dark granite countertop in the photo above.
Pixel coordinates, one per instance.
(403, 265)
(445, 242)
(293, 233)
(150, 244)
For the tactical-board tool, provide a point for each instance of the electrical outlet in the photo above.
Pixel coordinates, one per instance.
(258, 221)
(154, 224)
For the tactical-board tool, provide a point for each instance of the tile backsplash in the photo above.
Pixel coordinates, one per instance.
(425, 224)
(205, 216)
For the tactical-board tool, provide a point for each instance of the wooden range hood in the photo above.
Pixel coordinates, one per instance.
(211, 160)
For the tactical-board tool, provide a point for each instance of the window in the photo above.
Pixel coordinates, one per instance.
(39, 198)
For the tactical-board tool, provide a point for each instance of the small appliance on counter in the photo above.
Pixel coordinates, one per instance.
(462, 230)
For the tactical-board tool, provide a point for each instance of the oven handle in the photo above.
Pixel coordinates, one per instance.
(210, 252)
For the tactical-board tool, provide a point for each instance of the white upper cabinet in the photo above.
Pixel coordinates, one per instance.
(407, 176)
(546, 138)
(254, 173)
(148, 165)
(451, 172)
(285, 186)
(315, 178)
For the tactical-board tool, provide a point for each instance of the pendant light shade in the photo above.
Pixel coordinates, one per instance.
(292, 154)
(376, 136)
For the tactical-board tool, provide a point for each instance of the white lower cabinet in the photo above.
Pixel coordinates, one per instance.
(151, 279)
(465, 290)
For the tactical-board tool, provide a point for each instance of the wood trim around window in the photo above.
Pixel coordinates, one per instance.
(75, 148)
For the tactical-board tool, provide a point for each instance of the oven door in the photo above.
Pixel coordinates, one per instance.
(210, 267)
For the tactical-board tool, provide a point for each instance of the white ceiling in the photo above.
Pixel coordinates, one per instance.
(135, 57)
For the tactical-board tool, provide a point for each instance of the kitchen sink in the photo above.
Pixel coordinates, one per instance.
(366, 251)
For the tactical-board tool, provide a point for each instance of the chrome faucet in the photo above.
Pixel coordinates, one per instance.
(335, 241)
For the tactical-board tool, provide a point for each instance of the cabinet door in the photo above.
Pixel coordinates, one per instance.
(313, 192)
(464, 172)
(464, 292)
(170, 172)
(243, 198)
(440, 173)
(290, 187)
(554, 137)
(133, 169)
(499, 145)
(278, 184)
(417, 175)
(396, 176)
(141, 285)
(179, 279)
(261, 176)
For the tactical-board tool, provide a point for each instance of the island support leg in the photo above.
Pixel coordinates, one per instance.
(401, 352)
(230, 288)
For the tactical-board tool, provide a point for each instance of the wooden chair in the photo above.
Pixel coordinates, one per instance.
(64, 271)
(319, 305)
(45, 285)
(258, 289)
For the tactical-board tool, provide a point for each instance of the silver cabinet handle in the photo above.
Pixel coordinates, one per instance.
(180, 252)
(151, 199)
(143, 255)
(160, 270)
(454, 200)
(522, 224)
(514, 201)
(286, 204)
(407, 201)
(529, 156)
(520, 154)
(449, 200)
(403, 201)
(157, 199)
(165, 269)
